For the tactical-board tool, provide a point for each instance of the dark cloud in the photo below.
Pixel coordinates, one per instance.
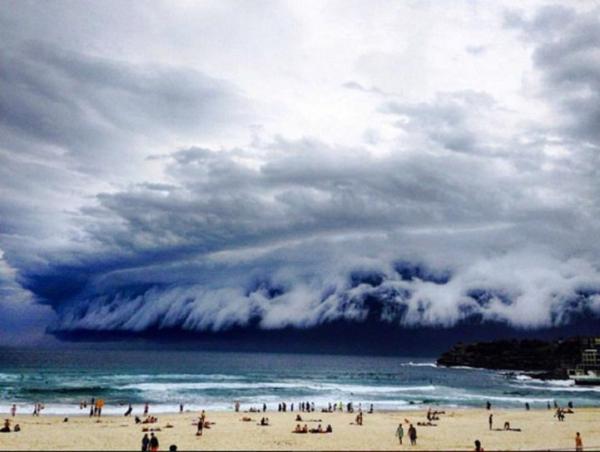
(294, 243)
(457, 209)
(566, 48)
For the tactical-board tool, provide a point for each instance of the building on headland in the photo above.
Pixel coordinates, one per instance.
(587, 372)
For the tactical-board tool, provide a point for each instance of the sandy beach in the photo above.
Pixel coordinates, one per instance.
(455, 430)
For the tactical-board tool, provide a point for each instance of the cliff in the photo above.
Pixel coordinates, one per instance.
(549, 359)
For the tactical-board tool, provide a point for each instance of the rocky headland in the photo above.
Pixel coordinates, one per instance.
(537, 358)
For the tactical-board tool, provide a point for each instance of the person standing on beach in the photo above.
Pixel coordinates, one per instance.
(145, 443)
(491, 420)
(13, 410)
(412, 435)
(578, 443)
(400, 433)
(153, 443)
(146, 409)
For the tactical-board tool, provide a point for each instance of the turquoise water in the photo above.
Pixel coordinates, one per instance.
(213, 380)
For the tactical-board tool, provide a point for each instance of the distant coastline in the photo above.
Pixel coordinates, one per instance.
(542, 359)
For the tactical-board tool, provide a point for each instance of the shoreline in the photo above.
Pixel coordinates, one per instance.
(457, 429)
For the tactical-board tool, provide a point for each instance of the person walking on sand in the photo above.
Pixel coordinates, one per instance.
(400, 433)
(491, 421)
(153, 443)
(578, 443)
(412, 435)
(145, 443)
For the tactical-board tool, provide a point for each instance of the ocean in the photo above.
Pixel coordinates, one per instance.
(61, 379)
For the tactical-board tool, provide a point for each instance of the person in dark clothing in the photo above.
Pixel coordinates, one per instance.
(129, 410)
(145, 443)
(491, 421)
(412, 435)
(153, 443)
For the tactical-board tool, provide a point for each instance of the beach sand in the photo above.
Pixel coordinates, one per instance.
(456, 430)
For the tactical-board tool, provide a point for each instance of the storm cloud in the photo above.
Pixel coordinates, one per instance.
(188, 186)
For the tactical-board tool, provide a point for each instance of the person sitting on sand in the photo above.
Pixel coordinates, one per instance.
(6, 428)
(17, 428)
(264, 422)
(305, 429)
(507, 425)
(319, 429)
(329, 429)
(298, 429)
(138, 420)
(478, 447)
(298, 418)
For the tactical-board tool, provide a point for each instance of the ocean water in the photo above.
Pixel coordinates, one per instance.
(60, 379)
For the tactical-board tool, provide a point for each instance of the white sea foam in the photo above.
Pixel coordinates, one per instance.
(414, 364)
(321, 387)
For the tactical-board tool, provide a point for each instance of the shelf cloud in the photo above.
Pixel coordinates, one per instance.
(202, 168)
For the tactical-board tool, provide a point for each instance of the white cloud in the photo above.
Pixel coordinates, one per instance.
(202, 166)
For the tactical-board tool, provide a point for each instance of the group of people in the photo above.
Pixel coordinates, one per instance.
(150, 443)
(318, 429)
(6, 428)
(412, 434)
(203, 423)
(96, 406)
(304, 407)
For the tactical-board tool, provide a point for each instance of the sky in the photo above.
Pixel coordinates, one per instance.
(203, 166)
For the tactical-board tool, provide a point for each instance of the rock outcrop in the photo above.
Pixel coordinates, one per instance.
(548, 359)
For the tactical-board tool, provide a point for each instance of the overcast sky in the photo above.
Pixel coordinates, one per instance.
(203, 165)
